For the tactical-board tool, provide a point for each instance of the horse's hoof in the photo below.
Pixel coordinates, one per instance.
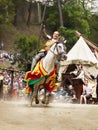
(47, 102)
(37, 101)
(43, 102)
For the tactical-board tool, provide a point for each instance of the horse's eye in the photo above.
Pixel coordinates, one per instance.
(60, 47)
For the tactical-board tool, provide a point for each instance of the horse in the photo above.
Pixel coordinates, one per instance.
(45, 72)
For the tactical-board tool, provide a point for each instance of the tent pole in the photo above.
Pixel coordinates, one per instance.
(78, 34)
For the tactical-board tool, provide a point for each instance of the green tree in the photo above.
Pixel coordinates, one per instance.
(76, 16)
(16, 3)
(6, 11)
(69, 36)
(94, 29)
(25, 50)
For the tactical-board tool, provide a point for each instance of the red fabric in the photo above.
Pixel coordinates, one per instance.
(39, 72)
(32, 76)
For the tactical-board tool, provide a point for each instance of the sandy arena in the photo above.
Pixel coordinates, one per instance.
(15, 115)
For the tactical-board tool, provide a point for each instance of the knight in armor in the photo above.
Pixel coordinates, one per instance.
(43, 52)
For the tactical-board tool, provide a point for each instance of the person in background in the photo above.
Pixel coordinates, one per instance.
(87, 92)
(95, 78)
(95, 53)
(97, 88)
(79, 72)
(5, 91)
(71, 92)
(43, 51)
(1, 83)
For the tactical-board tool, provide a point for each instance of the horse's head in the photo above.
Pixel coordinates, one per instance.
(59, 49)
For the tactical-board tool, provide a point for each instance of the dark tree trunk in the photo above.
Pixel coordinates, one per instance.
(29, 13)
(60, 13)
(15, 17)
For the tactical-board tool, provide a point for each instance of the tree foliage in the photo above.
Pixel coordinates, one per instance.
(25, 50)
(94, 29)
(76, 15)
(6, 11)
(69, 36)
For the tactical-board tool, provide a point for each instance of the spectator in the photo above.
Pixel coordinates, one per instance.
(79, 72)
(5, 90)
(87, 92)
(71, 92)
(95, 53)
(95, 78)
(15, 88)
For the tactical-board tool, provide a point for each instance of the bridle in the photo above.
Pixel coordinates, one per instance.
(55, 47)
(53, 51)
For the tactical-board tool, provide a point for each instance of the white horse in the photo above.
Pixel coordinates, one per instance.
(45, 72)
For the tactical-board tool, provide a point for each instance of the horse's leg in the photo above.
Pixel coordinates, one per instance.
(44, 99)
(47, 97)
(39, 86)
(36, 97)
(31, 98)
(45, 91)
(46, 94)
(35, 94)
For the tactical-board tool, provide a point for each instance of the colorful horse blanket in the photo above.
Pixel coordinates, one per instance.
(38, 73)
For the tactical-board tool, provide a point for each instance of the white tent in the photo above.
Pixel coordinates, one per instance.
(80, 53)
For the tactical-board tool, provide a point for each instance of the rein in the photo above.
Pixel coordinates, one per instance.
(54, 49)
(52, 52)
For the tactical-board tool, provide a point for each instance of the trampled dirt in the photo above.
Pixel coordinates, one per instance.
(18, 115)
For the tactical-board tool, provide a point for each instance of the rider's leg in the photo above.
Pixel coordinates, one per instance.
(34, 62)
(36, 59)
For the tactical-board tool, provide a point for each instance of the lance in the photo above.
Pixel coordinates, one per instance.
(42, 25)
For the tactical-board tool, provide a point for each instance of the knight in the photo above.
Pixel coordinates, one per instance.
(47, 45)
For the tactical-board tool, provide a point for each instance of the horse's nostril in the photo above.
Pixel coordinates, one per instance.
(64, 56)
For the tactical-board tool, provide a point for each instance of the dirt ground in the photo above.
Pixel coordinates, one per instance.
(18, 115)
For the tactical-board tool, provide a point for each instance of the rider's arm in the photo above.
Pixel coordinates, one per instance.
(45, 34)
